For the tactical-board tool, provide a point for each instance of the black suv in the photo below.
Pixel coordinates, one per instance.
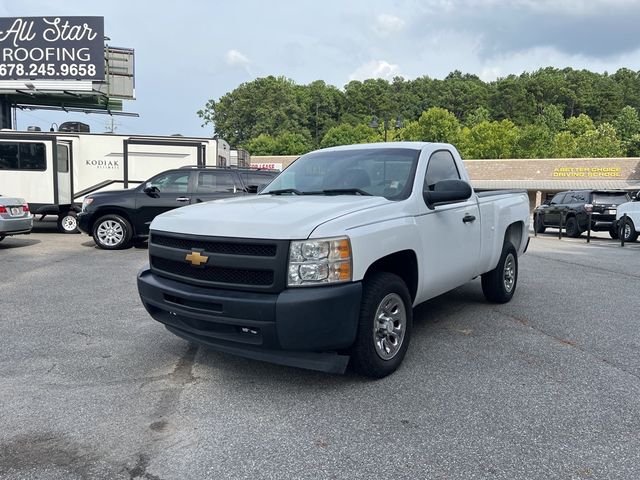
(573, 208)
(118, 217)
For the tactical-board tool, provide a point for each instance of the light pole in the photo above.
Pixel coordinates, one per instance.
(375, 124)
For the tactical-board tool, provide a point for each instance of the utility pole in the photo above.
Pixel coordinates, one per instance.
(111, 127)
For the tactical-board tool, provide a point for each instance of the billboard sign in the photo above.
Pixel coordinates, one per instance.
(52, 48)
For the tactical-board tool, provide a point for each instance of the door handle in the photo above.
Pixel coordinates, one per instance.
(182, 199)
(468, 218)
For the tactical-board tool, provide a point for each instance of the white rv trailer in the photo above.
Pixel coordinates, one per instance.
(54, 171)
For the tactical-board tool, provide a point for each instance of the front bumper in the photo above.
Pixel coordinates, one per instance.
(84, 222)
(301, 327)
(15, 226)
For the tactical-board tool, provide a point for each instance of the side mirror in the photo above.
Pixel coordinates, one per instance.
(447, 191)
(148, 188)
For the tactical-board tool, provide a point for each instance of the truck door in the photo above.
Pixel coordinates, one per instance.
(161, 193)
(450, 234)
(63, 154)
(215, 184)
(553, 212)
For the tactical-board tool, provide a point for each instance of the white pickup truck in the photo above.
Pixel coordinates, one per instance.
(326, 264)
(629, 225)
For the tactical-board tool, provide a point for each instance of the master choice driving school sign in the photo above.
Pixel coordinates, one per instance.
(60, 48)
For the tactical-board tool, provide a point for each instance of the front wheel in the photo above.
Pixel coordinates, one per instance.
(384, 326)
(628, 231)
(613, 233)
(499, 284)
(112, 232)
(539, 224)
(68, 222)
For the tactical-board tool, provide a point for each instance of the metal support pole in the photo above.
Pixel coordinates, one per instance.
(561, 223)
(623, 222)
(589, 228)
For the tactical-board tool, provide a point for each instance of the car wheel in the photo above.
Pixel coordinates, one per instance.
(539, 224)
(384, 326)
(112, 232)
(68, 222)
(614, 233)
(628, 231)
(572, 228)
(2, 237)
(499, 284)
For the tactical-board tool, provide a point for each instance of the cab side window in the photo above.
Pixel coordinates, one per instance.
(172, 182)
(216, 182)
(441, 166)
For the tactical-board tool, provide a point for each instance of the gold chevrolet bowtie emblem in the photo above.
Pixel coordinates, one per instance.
(195, 259)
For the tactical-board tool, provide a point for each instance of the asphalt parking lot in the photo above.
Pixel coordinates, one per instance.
(545, 387)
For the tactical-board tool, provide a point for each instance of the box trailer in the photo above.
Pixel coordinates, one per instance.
(54, 171)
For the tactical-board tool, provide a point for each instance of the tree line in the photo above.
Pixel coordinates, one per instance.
(550, 113)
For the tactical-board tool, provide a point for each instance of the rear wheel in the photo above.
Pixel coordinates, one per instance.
(499, 284)
(572, 228)
(384, 326)
(68, 222)
(112, 232)
(628, 231)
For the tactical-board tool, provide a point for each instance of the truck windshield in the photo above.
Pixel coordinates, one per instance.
(383, 172)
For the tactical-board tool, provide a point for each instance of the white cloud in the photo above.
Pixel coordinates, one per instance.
(375, 69)
(388, 24)
(234, 57)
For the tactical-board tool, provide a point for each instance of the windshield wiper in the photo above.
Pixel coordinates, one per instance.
(345, 191)
(285, 190)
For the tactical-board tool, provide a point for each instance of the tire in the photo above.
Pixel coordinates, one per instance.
(499, 284)
(112, 232)
(2, 237)
(381, 345)
(538, 224)
(628, 231)
(68, 222)
(613, 233)
(572, 228)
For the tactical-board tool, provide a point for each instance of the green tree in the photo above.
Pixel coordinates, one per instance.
(533, 141)
(439, 125)
(267, 105)
(289, 143)
(627, 123)
(552, 118)
(263, 144)
(346, 134)
(633, 146)
(489, 140)
(601, 142)
(480, 114)
(563, 146)
(580, 125)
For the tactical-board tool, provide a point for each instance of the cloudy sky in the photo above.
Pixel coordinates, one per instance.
(190, 51)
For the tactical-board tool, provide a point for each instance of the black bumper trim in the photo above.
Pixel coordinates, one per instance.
(301, 327)
(324, 362)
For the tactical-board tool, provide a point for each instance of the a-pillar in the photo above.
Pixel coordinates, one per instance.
(6, 120)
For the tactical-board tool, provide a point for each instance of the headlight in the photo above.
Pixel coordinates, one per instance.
(320, 261)
(86, 202)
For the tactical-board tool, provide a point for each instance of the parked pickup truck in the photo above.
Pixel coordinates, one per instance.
(629, 225)
(325, 265)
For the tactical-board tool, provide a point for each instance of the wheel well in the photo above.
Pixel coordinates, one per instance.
(404, 264)
(111, 211)
(514, 234)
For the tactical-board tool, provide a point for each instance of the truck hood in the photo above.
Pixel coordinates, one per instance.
(264, 216)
